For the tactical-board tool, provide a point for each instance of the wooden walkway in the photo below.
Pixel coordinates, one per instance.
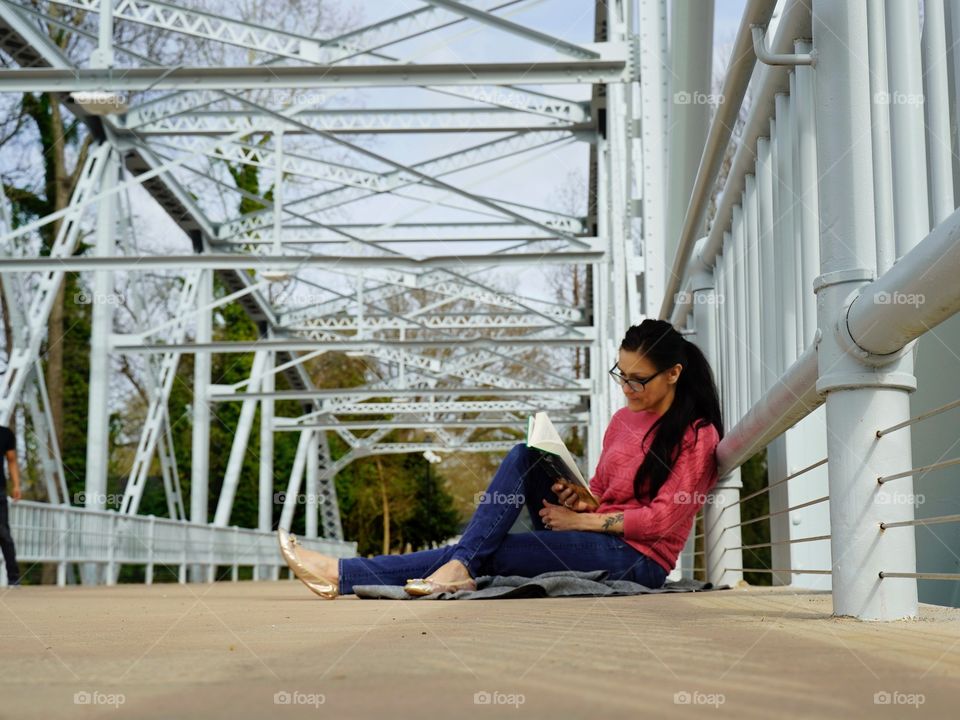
(273, 650)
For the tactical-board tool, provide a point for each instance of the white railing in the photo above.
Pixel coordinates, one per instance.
(62, 534)
(832, 248)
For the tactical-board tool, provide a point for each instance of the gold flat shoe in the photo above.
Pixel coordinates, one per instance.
(317, 583)
(424, 586)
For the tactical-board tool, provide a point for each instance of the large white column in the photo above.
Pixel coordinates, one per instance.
(653, 126)
(858, 388)
(691, 63)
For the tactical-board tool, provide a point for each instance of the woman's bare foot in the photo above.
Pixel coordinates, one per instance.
(450, 572)
(324, 565)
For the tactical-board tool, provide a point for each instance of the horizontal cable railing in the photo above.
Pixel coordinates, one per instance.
(782, 542)
(936, 520)
(767, 516)
(921, 575)
(917, 418)
(922, 521)
(793, 571)
(767, 488)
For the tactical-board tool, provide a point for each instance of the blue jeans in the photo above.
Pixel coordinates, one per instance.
(487, 547)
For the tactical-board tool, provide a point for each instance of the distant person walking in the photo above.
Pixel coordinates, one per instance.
(8, 449)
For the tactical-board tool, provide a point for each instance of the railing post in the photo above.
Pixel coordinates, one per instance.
(235, 570)
(112, 539)
(858, 391)
(721, 510)
(151, 542)
(211, 569)
(63, 525)
(182, 574)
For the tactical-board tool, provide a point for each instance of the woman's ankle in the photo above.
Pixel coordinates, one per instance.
(463, 569)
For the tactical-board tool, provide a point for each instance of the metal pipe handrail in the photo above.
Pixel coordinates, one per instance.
(764, 55)
(916, 294)
(918, 418)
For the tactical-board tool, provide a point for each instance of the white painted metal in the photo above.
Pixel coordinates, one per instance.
(231, 478)
(936, 95)
(23, 355)
(748, 282)
(65, 535)
(905, 97)
(855, 392)
(200, 446)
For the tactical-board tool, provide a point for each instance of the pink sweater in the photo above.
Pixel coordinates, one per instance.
(658, 527)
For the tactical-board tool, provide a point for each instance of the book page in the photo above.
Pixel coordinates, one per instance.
(542, 435)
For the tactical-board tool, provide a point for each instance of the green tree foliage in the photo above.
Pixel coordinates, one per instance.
(753, 473)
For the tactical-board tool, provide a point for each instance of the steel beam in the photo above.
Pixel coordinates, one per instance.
(567, 72)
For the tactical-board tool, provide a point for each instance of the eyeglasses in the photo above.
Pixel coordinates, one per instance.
(635, 385)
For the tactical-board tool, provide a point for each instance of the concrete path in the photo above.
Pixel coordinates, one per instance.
(273, 650)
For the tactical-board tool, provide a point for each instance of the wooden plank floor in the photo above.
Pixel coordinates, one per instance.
(259, 650)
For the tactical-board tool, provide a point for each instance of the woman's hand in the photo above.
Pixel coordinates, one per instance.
(557, 517)
(569, 498)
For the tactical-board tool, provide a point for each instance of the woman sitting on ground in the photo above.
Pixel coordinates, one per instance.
(657, 465)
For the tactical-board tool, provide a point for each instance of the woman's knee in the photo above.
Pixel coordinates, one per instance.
(519, 450)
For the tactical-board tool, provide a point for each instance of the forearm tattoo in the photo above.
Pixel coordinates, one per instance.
(610, 521)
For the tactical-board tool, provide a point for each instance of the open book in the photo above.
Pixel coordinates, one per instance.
(543, 436)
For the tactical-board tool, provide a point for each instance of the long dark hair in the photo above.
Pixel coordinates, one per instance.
(696, 398)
